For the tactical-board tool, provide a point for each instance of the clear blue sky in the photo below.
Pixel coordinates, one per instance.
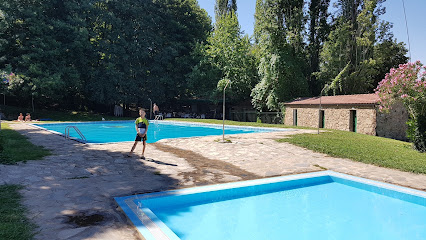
(416, 19)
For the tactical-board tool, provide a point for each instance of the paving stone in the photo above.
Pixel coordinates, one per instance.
(79, 177)
(69, 233)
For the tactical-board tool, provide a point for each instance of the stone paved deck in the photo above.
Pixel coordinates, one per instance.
(82, 179)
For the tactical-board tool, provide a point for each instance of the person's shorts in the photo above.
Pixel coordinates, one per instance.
(139, 138)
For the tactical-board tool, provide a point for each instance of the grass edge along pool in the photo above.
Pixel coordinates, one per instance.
(152, 227)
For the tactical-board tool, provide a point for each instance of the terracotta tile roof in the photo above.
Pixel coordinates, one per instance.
(338, 100)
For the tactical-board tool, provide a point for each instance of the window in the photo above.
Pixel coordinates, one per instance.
(352, 121)
(294, 117)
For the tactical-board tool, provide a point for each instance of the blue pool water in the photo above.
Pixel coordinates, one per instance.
(322, 207)
(121, 131)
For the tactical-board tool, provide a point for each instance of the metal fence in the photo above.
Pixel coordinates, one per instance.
(252, 116)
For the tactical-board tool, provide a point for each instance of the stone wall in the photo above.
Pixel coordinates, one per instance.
(393, 124)
(369, 120)
(335, 117)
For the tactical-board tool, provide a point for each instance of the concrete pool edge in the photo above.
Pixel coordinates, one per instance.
(151, 227)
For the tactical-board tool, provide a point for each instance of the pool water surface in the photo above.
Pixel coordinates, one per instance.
(325, 205)
(123, 131)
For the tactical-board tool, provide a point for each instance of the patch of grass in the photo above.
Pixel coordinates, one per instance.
(221, 140)
(374, 150)
(228, 122)
(13, 223)
(15, 147)
(318, 166)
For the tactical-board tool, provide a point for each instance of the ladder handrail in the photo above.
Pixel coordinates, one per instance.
(158, 117)
(67, 132)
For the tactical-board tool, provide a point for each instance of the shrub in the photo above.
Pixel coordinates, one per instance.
(407, 84)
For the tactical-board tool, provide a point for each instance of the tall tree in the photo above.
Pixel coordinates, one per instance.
(226, 57)
(319, 29)
(349, 63)
(224, 7)
(43, 43)
(279, 27)
(99, 51)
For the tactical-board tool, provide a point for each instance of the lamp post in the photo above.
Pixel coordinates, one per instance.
(319, 110)
(32, 101)
(150, 108)
(223, 112)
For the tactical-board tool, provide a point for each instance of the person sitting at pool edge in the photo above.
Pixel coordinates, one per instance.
(28, 117)
(141, 125)
(20, 117)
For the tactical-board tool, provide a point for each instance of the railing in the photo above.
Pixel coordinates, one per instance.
(67, 133)
(158, 117)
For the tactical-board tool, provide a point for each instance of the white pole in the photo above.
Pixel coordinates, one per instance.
(223, 112)
(32, 101)
(150, 108)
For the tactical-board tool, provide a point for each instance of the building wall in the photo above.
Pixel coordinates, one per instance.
(369, 120)
(335, 117)
(393, 124)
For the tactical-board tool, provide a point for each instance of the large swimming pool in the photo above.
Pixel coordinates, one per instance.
(123, 131)
(323, 205)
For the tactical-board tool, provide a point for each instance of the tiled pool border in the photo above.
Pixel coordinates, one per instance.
(153, 228)
(263, 129)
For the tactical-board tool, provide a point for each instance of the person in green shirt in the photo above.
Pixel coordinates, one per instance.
(141, 125)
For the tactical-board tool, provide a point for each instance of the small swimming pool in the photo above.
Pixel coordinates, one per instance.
(123, 131)
(322, 205)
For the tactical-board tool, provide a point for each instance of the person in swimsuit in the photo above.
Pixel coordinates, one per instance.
(141, 125)
(28, 118)
(156, 109)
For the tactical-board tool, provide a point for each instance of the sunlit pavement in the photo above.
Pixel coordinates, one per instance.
(70, 193)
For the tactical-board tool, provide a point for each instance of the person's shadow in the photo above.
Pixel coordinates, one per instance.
(160, 162)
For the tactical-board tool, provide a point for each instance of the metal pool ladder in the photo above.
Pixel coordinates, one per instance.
(67, 132)
(158, 117)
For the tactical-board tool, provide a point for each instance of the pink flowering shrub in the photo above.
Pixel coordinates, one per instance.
(407, 84)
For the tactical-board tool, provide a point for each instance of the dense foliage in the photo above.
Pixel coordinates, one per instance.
(279, 28)
(83, 53)
(358, 49)
(407, 84)
(226, 57)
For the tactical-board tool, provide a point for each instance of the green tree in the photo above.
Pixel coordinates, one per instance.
(279, 27)
(347, 58)
(223, 7)
(99, 52)
(319, 29)
(226, 56)
(387, 52)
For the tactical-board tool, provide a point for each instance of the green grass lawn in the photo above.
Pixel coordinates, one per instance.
(374, 150)
(15, 148)
(13, 223)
